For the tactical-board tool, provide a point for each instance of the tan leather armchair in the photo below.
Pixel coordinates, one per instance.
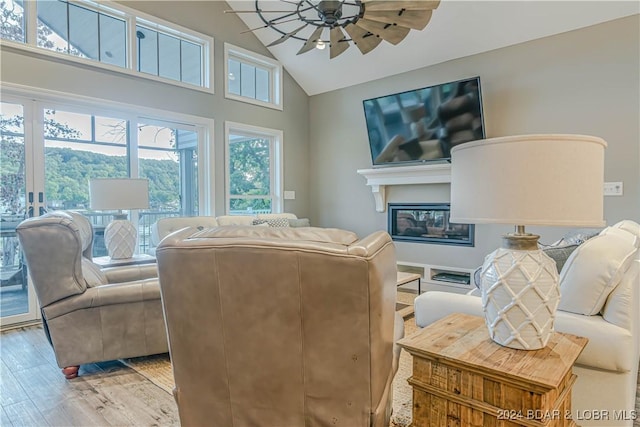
(89, 314)
(278, 327)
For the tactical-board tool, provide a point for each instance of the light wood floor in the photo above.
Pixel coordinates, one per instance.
(33, 391)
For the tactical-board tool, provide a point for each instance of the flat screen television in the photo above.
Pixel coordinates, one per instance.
(422, 125)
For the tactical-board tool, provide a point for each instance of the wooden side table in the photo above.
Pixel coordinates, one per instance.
(105, 261)
(403, 278)
(461, 377)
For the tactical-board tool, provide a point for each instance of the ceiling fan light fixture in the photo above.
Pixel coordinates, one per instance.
(366, 22)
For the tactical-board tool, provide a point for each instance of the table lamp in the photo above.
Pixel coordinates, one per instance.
(120, 235)
(523, 180)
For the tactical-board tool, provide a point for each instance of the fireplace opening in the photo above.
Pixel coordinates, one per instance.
(427, 223)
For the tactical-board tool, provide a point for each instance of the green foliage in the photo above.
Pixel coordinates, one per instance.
(249, 171)
(164, 183)
(68, 172)
(11, 175)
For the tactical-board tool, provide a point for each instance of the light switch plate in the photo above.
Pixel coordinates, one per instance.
(289, 195)
(613, 188)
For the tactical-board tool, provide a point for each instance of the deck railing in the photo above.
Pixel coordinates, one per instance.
(11, 258)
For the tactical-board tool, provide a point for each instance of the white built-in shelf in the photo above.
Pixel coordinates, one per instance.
(435, 276)
(379, 178)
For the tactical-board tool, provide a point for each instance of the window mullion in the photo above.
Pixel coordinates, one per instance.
(132, 45)
(272, 175)
(158, 52)
(180, 56)
(31, 21)
(132, 147)
(99, 39)
(68, 30)
(272, 86)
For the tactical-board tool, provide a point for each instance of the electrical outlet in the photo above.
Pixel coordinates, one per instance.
(613, 188)
(289, 195)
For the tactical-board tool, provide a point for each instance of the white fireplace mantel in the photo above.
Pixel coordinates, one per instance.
(379, 178)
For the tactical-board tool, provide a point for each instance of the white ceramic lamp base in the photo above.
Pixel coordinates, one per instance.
(520, 296)
(120, 237)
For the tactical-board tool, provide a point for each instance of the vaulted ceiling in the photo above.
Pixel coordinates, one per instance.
(457, 29)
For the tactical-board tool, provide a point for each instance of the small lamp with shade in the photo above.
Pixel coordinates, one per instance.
(554, 180)
(120, 235)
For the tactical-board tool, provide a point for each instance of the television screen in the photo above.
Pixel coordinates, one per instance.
(423, 125)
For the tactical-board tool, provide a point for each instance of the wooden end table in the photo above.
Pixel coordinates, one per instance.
(461, 377)
(106, 261)
(403, 278)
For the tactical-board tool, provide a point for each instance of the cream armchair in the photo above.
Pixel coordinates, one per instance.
(89, 314)
(280, 326)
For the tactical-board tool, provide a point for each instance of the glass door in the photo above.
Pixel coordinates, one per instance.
(18, 200)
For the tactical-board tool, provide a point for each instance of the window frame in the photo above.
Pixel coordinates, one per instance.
(276, 177)
(132, 18)
(255, 59)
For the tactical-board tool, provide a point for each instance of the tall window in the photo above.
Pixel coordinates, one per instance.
(93, 31)
(252, 78)
(254, 169)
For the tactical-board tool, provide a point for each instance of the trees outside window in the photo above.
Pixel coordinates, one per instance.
(254, 169)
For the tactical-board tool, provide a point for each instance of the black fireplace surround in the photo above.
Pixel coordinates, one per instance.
(427, 223)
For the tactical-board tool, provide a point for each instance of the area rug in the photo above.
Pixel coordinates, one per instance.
(157, 369)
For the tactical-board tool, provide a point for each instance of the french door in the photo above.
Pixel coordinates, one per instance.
(49, 152)
(21, 196)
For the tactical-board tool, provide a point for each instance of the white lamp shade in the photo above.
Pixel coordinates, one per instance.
(118, 193)
(529, 180)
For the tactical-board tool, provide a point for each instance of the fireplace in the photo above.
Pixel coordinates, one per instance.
(427, 223)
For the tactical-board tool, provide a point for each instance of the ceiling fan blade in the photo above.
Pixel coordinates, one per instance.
(364, 40)
(286, 36)
(311, 41)
(336, 37)
(371, 5)
(414, 19)
(394, 34)
(268, 25)
(256, 11)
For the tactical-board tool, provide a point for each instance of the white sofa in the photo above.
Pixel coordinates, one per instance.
(165, 226)
(607, 369)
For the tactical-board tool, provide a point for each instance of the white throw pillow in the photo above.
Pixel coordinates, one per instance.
(277, 215)
(592, 271)
(226, 220)
(619, 307)
(631, 238)
(629, 226)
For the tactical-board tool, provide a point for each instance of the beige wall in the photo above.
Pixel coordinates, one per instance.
(33, 70)
(584, 81)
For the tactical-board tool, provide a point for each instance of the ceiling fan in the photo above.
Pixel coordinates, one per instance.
(365, 22)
